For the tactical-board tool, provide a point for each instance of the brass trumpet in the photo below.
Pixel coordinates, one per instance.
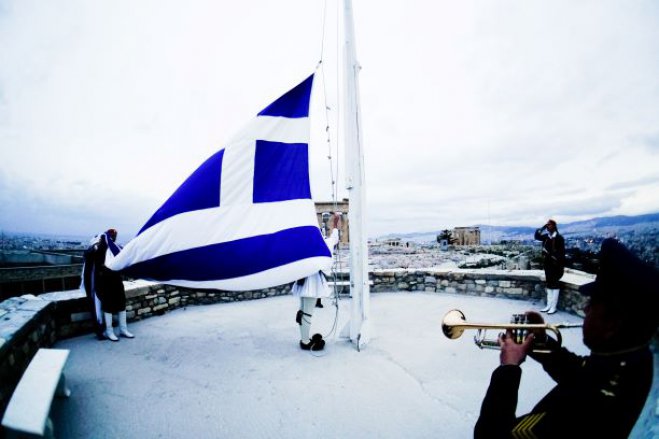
(455, 323)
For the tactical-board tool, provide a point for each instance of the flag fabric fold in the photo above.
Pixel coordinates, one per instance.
(245, 218)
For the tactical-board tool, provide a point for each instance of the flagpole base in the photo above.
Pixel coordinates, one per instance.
(362, 338)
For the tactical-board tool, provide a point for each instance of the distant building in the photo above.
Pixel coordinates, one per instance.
(467, 235)
(393, 242)
(324, 210)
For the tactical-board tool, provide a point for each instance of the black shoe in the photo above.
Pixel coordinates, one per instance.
(313, 345)
(319, 304)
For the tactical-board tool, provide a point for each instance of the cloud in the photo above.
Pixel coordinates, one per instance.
(85, 208)
(650, 180)
(471, 112)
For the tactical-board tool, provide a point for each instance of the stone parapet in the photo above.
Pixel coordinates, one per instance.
(17, 281)
(510, 284)
(144, 300)
(25, 326)
(21, 274)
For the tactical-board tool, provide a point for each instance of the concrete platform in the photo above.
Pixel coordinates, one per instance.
(235, 371)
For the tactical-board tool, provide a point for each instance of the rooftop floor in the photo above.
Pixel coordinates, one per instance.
(235, 371)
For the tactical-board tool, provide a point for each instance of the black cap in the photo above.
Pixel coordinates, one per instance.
(623, 278)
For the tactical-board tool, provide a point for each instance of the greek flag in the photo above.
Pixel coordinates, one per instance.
(245, 218)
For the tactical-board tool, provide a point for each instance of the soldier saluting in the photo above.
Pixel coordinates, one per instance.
(553, 252)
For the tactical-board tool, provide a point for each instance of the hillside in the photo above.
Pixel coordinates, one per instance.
(595, 227)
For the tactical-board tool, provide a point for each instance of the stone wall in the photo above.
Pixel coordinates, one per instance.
(144, 300)
(16, 281)
(18, 274)
(517, 284)
(147, 299)
(25, 326)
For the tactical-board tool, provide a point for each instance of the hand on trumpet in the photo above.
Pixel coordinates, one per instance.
(514, 349)
(536, 318)
(513, 353)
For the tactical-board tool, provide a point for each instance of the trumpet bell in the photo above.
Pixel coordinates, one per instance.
(451, 322)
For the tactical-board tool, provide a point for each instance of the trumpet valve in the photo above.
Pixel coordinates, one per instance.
(519, 334)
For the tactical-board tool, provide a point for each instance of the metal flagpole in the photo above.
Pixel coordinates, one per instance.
(359, 286)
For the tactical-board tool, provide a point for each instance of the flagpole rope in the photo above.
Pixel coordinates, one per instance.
(338, 103)
(321, 65)
(322, 39)
(333, 168)
(338, 127)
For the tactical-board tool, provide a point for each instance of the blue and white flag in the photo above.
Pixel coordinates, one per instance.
(245, 218)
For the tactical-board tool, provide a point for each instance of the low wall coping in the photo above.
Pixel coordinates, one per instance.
(577, 278)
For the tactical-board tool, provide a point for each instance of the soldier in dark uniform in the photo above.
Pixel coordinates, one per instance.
(600, 395)
(553, 252)
(109, 287)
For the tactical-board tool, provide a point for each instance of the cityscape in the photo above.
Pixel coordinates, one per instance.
(640, 234)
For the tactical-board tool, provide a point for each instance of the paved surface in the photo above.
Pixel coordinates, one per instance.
(235, 371)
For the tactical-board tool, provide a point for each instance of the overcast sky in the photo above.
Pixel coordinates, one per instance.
(502, 113)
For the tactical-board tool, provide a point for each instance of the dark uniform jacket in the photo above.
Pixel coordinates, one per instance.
(595, 397)
(109, 284)
(88, 270)
(553, 251)
(90, 291)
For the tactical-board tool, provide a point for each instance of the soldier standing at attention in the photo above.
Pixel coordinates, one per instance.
(553, 252)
